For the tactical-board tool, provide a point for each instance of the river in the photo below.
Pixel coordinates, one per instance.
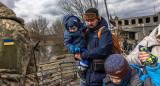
(46, 52)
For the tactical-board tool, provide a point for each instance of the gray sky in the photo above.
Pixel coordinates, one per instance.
(32, 9)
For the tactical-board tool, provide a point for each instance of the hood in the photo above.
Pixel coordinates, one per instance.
(152, 38)
(158, 33)
(70, 20)
(7, 13)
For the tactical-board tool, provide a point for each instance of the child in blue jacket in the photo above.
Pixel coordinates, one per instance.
(120, 73)
(74, 40)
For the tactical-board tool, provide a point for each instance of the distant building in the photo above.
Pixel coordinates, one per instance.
(135, 28)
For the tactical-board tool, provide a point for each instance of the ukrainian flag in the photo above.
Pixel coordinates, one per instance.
(8, 42)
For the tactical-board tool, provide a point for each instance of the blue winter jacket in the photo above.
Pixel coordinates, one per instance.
(154, 74)
(76, 38)
(97, 49)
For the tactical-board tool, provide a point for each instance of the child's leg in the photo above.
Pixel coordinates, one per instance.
(82, 83)
(82, 71)
(79, 65)
(84, 64)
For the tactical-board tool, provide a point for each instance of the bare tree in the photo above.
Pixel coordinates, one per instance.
(105, 2)
(77, 7)
(57, 31)
(37, 28)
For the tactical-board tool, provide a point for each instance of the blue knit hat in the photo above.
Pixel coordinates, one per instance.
(116, 65)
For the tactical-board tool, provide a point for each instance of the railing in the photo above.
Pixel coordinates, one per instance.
(53, 74)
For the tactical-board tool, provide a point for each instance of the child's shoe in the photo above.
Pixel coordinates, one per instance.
(82, 75)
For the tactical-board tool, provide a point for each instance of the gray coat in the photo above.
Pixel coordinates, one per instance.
(148, 41)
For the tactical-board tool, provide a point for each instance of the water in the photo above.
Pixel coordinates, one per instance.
(46, 52)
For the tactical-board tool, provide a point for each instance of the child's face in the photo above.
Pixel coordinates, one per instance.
(115, 80)
(73, 29)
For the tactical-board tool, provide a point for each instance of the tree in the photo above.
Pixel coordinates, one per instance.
(77, 7)
(37, 28)
(105, 2)
(56, 30)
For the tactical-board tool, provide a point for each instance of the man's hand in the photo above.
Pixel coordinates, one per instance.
(77, 55)
(143, 56)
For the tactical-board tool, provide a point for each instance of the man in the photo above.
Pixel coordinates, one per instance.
(97, 49)
(125, 45)
(15, 49)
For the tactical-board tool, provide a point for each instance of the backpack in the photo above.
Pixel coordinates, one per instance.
(116, 47)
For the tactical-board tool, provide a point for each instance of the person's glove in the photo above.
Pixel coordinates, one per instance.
(77, 50)
(71, 49)
(74, 49)
(152, 58)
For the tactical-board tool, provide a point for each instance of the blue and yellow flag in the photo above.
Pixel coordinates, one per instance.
(8, 42)
(152, 58)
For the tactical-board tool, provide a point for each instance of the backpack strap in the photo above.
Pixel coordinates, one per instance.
(82, 34)
(86, 31)
(100, 31)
